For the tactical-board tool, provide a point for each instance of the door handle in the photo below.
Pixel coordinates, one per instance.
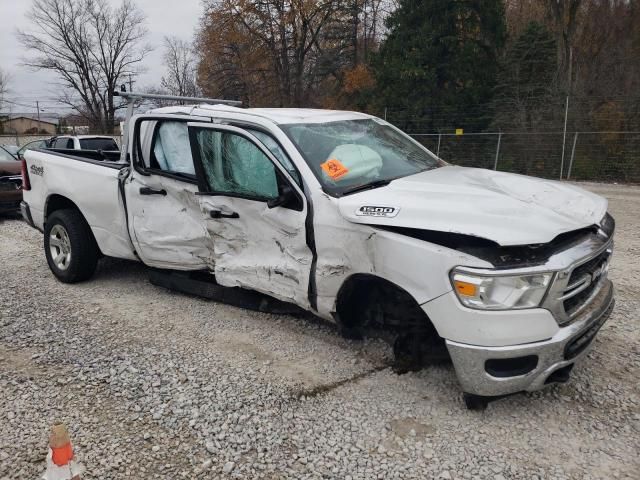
(223, 214)
(151, 191)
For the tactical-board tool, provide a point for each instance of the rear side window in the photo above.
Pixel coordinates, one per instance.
(171, 150)
(98, 144)
(63, 143)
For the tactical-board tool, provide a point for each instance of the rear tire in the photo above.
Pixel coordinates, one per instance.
(69, 245)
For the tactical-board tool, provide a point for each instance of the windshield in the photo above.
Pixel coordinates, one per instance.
(5, 156)
(31, 145)
(352, 155)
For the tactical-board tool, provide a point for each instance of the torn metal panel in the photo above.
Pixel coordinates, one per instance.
(261, 249)
(505, 208)
(345, 249)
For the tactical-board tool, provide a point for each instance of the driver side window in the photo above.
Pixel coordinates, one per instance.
(236, 166)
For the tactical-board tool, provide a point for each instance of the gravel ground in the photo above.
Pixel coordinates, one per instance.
(155, 384)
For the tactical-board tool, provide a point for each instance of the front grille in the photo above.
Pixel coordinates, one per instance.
(589, 267)
(590, 273)
(574, 303)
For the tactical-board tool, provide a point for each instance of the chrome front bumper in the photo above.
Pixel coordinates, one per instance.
(569, 344)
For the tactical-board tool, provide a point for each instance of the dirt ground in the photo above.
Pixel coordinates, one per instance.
(156, 384)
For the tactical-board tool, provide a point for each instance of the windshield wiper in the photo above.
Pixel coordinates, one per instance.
(367, 186)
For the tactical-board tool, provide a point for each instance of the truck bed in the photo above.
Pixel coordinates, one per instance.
(92, 185)
(109, 158)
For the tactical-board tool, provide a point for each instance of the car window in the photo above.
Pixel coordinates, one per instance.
(63, 142)
(5, 156)
(12, 149)
(34, 144)
(273, 146)
(30, 145)
(171, 149)
(235, 165)
(108, 144)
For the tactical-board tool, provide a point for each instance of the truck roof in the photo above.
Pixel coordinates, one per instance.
(82, 137)
(277, 115)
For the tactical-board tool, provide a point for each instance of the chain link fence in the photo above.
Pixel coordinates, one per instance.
(577, 137)
(593, 156)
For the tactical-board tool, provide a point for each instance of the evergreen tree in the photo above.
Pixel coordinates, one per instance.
(439, 63)
(525, 101)
(524, 90)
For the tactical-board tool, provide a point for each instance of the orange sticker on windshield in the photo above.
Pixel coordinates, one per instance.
(334, 168)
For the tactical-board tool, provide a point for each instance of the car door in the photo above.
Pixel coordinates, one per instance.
(254, 212)
(163, 212)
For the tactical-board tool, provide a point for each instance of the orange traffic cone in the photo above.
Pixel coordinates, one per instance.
(60, 462)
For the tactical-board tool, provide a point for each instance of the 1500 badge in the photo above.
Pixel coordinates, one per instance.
(377, 211)
(37, 170)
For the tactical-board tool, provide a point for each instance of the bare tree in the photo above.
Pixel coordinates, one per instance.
(181, 68)
(564, 15)
(269, 48)
(91, 46)
(4, 85)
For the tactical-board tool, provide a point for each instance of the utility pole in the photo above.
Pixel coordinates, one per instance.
(566, 110)
(564, 134)
(38, 109)
(130, 83)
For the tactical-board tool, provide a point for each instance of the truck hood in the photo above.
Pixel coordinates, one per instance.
(506, 208)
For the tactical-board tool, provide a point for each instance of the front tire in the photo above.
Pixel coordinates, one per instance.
(375, 307)
(69, 245)
(475, 402)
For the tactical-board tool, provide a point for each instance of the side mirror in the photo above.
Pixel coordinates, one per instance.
(286, 195)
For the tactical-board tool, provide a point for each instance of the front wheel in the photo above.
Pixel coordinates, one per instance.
(69, 245)
(475, 402)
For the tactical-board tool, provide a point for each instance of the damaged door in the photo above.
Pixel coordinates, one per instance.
(164, 216)
(254, 212)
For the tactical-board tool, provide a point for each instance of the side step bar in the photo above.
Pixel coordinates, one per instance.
(203, 284)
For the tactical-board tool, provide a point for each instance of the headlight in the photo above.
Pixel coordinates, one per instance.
(500, 292)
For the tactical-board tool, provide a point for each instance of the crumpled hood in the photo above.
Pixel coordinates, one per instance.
(506, 208)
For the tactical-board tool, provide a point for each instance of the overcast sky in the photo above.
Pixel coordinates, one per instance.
(164, 17)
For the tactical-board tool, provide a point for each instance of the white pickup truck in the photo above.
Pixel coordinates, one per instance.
(344, 215)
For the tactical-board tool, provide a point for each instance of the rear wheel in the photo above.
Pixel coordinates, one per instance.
(69, 245)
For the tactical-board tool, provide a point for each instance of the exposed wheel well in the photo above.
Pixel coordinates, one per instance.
(368, 305)
(366, 300)
(58, 202)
